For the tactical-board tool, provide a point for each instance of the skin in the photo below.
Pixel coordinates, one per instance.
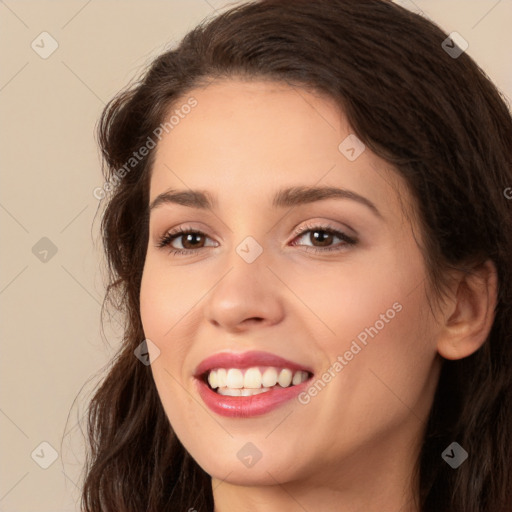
(354, 445)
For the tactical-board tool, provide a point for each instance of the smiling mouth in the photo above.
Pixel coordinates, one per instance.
(252, 381)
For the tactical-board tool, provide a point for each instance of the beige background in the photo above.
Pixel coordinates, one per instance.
(50, 330)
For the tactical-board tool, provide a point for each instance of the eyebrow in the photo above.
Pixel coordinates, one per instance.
(285, 198)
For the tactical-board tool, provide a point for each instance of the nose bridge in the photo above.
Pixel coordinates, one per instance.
(250, 250)
(247, 290)
(248, 276)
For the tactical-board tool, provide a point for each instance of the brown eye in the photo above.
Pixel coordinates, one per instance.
(182, 241)
(324, 238)
(191, 240)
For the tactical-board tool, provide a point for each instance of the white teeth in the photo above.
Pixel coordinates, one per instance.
(235, 378)
(221, 377)
(212, 379)
(236, 382)
(252, 378)
(229, 392)
(250, 392)
(299, 377)
(285, 378)
(241, 392)
(269, 378)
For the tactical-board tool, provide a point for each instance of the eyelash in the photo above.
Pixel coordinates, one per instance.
(169, 237)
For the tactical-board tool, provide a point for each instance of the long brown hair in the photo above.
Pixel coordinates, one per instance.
(447, 131)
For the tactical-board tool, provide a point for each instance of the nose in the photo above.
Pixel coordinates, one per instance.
(248, 296)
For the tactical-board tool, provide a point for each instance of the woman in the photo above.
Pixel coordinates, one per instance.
(308, 229)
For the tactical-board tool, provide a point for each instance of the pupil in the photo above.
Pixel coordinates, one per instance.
(325, 238)
(189, 239)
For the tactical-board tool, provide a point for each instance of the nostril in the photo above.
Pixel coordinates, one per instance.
(256, 319)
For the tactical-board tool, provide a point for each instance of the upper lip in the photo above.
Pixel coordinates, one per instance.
(246, 360)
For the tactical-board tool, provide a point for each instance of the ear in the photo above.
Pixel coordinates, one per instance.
(469, 315)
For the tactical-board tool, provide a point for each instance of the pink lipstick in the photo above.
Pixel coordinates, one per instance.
(249, 384)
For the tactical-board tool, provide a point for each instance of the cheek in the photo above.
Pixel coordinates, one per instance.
(167, 312)
(167, 296)
(375, 317)
(167, 300)
(345, 299)
(170, 301)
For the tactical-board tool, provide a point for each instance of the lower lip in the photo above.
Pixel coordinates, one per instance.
(248, 406)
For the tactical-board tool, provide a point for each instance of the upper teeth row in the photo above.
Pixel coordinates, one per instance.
(253, 378)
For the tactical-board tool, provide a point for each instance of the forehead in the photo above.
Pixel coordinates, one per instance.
(240, 119)
(244, 140)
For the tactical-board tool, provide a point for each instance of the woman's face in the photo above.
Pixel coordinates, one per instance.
(301, 266)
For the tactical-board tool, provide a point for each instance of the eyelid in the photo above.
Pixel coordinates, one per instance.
(347, 240)
(169, 236)
(186, 227)
(172, 234)
(325, 225)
